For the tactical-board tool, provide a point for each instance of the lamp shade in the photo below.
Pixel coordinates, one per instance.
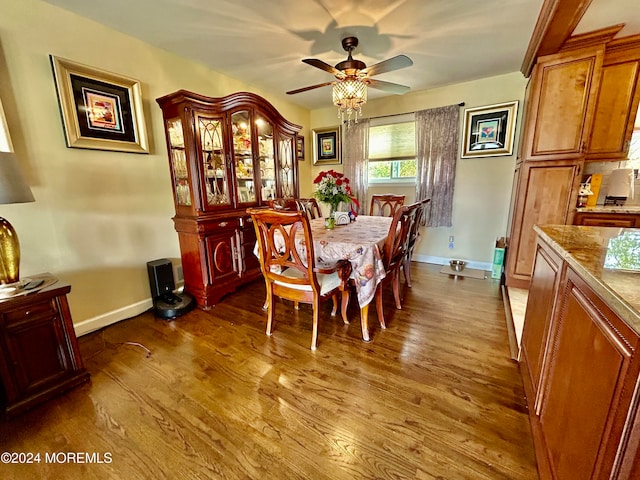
(13, 186)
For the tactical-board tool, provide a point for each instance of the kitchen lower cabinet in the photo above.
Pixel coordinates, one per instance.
(580, 371)
(545, 284)
(587, 395)
(621, 220)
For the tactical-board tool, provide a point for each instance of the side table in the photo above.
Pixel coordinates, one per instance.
(39, 355)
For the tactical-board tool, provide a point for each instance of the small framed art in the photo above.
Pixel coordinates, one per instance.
(489, 131)
(300, 147)
(100, 110)
(326, 146)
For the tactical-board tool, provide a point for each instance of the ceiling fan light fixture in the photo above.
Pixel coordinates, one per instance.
(349, 95)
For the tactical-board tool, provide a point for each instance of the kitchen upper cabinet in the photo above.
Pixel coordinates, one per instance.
(562, 94)
(617, 104)
(225, 154)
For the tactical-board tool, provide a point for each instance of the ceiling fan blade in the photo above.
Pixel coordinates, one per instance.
(389, 65)
(311, 87)
(314, 62)
(387, 86)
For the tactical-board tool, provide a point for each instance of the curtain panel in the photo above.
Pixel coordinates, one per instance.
(437, 137)
(355, 151)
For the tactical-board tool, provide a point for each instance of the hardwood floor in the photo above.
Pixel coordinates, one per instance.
(435, 396)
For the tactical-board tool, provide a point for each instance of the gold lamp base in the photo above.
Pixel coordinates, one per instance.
(9, 253)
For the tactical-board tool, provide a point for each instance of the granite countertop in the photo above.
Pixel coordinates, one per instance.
(595, 253)
(633, 209)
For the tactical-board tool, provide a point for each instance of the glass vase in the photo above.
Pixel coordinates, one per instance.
(330, 221)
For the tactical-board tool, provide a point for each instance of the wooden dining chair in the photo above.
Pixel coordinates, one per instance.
(309, 205)
(385, 205)
(412, 238)
(288, 204)
(289, 267)
(393, 255)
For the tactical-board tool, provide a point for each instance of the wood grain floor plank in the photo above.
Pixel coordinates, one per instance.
(434, 396)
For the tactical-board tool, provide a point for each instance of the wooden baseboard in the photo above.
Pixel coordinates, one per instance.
(544, 467)
(514, 351)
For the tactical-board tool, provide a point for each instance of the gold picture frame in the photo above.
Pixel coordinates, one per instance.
(489, 131)
(100, 110)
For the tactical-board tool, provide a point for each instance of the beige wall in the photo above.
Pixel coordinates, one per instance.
(483, 185)
(98, 216)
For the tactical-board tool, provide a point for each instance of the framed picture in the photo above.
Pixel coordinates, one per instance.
(300, 147)
(326, 146)
(489, 131)
(100, 110)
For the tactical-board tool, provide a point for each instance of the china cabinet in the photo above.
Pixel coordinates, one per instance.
(226, 154)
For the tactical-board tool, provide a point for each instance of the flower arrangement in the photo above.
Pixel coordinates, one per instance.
(333, 188)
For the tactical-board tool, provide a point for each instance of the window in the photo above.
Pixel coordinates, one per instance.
(392, 152)
(634, 151)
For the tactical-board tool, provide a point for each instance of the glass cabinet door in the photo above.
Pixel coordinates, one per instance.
(179, 172)
(266, 159)
(215, 174)
(286, 159)
(243, 156)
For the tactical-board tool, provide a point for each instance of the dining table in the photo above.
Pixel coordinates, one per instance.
(361, 242)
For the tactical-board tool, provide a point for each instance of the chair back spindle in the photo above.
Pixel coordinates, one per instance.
(385, 205)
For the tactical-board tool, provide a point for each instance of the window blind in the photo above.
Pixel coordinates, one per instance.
(395, 141)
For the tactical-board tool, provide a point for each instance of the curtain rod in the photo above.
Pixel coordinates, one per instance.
(461, 104)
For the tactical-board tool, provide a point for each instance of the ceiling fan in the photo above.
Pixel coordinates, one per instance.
(351, 69)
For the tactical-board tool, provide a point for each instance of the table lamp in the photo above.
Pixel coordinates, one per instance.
(13, 189)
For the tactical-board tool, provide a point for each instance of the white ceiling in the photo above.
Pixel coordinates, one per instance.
(262, 42)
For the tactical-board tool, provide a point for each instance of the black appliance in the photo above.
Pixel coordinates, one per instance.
(167, 303)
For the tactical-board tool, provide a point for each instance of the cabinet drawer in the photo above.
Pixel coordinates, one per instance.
(214, 227)
(225, 223)
(28, 312)
(607, 220)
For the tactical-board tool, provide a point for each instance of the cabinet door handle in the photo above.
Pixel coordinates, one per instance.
(223, 224)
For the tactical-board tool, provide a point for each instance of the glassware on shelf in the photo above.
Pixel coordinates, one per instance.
(183, 193)
(179, 163)
(176, 137)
